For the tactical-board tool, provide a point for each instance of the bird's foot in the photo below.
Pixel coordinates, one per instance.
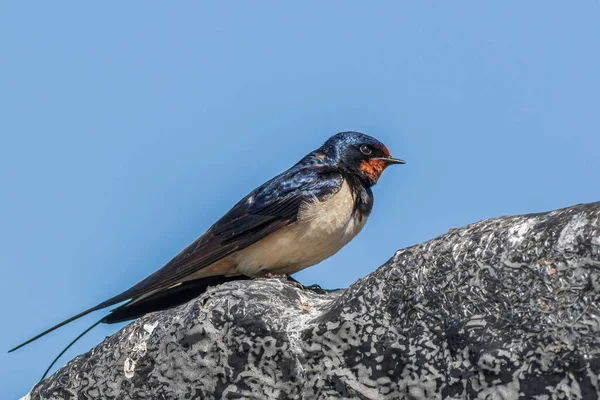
(285, 278)
(288, 279)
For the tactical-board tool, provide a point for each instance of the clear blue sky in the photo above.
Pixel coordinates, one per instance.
(128, 128)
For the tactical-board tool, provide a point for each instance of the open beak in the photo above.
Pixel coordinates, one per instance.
(390, 160)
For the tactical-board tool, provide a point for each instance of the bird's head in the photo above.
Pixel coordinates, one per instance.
(360, 154)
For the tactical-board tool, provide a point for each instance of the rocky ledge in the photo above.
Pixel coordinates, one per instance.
(505, 308)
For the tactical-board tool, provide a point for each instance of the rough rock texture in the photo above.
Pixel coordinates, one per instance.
(503, 308)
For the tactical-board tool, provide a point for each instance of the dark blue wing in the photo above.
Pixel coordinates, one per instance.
(270, 207)
(265, 210)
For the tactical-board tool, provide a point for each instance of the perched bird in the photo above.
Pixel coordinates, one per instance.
(297, 219)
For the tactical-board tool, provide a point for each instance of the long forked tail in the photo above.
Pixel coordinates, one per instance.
(135, 292)
(68, 346)
(133, 309)
(126, 295)
(137, 307)
(47, 331)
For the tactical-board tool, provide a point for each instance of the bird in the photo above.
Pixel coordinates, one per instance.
(295, 220)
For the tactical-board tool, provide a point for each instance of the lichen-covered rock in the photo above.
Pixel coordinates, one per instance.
(505, 308)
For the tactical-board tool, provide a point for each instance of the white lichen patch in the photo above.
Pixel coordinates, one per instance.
(570, 233)
(26, 397)
(140, 349)
(149, 328)
(518, 232)
(139, 337)
(297, 322)
(129, 368)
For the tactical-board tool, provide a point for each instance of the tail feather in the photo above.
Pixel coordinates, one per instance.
(126, 295)
(161, 300)
(47, 331)
(68, 347)
(135, 308)
(175, 296)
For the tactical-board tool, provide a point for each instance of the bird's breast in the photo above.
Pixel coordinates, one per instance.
(322, 228)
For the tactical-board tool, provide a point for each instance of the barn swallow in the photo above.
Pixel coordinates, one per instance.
(297, 219)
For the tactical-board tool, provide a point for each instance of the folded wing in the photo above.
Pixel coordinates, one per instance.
(265, 210)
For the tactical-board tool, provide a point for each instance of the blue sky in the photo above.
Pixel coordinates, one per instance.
(128, 128)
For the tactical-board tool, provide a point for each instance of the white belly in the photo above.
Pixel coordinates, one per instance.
(322, 229)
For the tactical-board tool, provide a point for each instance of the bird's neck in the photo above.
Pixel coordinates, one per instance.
(363, 195)
(359, 184)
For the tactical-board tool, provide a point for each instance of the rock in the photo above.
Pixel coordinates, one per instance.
(501, 309)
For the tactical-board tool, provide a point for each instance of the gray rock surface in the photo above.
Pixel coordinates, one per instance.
(505, 308)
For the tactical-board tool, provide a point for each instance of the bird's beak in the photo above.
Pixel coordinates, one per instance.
(390, 160)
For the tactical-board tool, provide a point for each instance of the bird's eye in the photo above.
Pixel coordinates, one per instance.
(366, 150)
